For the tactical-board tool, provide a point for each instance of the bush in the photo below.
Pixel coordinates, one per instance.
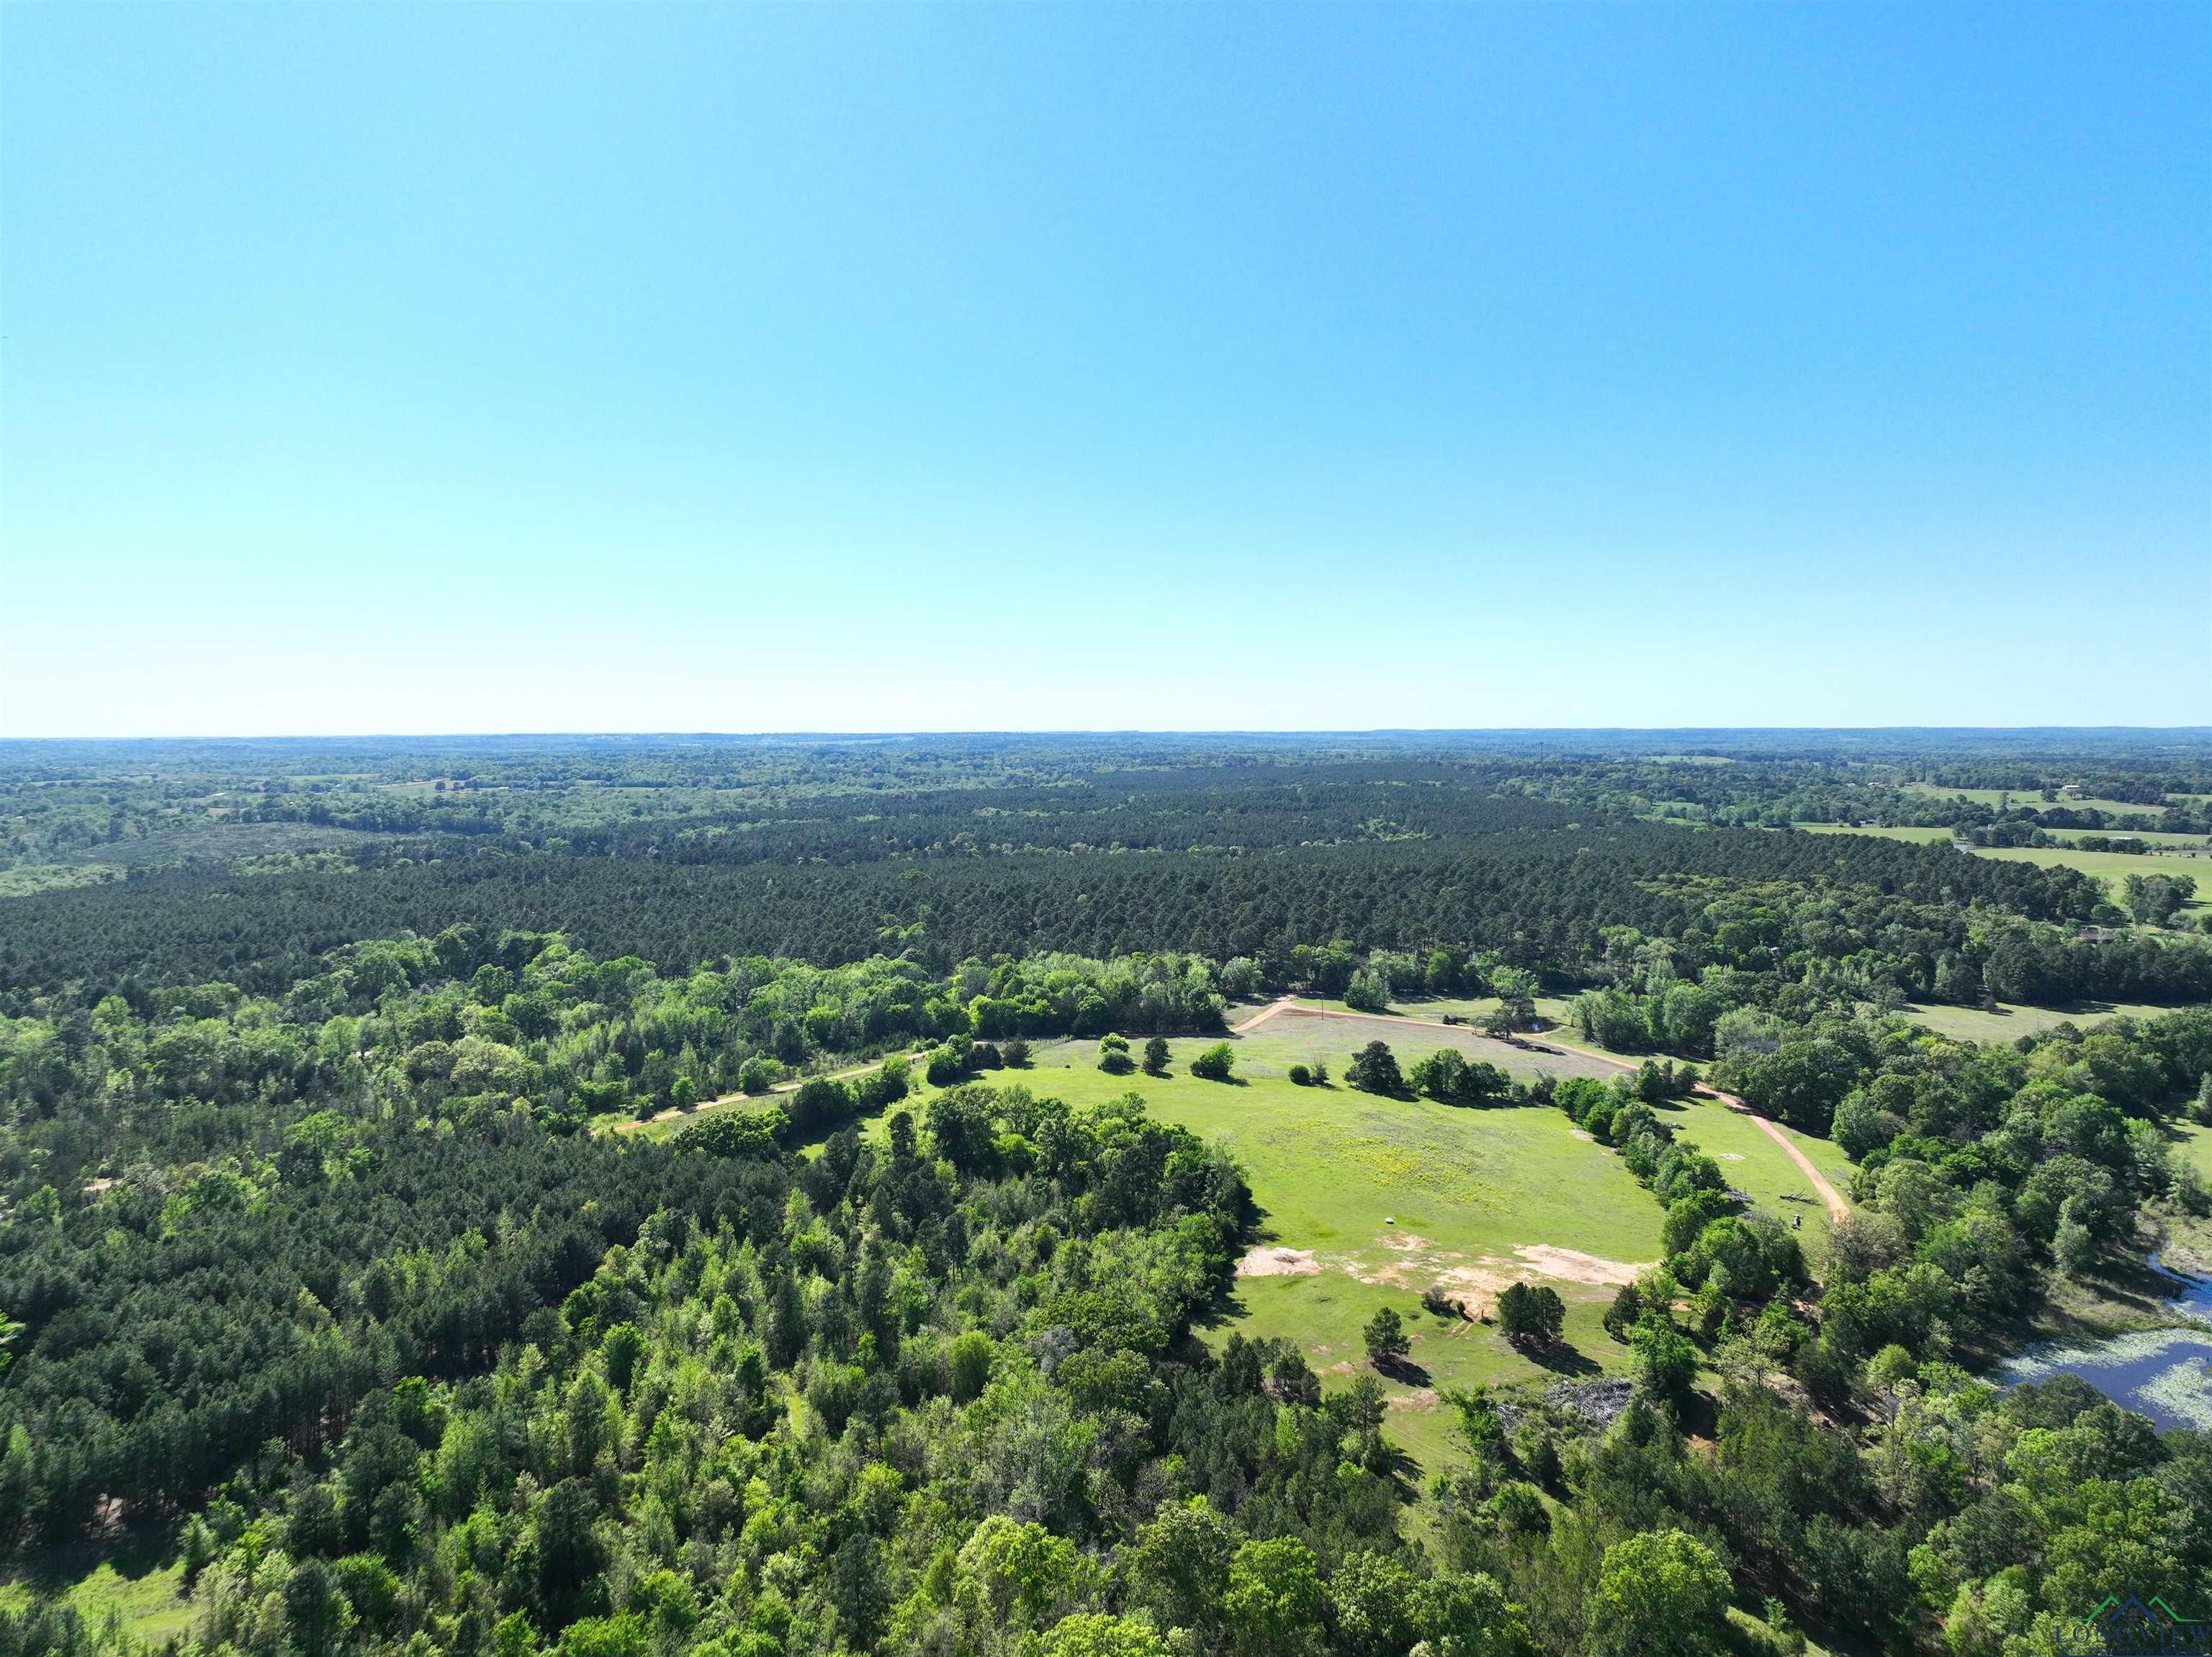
(759, 1074)
(1301, 1076)
(1114, 1054)
(1156, 1057)
(1015, 1051)
(1215, 1063)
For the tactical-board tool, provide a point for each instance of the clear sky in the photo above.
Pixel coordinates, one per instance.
(514, 368)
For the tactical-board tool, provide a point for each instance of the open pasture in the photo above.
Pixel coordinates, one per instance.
(2007, 1021)
(2114, 866)
(1999, 797)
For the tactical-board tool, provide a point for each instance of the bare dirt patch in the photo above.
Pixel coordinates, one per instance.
(1576, 1267)
(1417, 1397)
(1587, 1138)
(1407, 1242)
(1279, 1262)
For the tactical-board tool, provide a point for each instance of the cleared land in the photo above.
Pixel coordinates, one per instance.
(1368, 1202)
(2028, 797)
(2008, 1021)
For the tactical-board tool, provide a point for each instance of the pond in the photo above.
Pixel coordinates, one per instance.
(2164, 1373)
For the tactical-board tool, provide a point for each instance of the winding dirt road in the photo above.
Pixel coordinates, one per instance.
(1837, 1207)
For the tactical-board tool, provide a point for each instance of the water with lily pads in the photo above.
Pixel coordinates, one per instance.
(2164, 1373)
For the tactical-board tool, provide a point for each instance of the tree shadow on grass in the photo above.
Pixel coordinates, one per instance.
(1558, 1357)
(1404, 1371)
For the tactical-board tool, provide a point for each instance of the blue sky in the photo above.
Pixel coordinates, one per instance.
(859, 368)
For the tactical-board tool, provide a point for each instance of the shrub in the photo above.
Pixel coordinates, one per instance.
(1114, 1054)
(759, 1074)
(1301, 1076)
(1215, 1063)
(1015, 1051)
(1156, 1057)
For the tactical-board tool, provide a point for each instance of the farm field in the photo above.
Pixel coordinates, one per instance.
(1920, 836)
(2008, 1021)
(2111, 867)
(2025, 797)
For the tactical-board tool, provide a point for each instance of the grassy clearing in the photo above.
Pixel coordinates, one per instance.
(2111, 867)
(2008, 1020)
(1376, 1200)
(2196, 1147)
(145, 1599)
(1388, 1197)
(1921, 835)
(1757, 1168)
(1996, 797)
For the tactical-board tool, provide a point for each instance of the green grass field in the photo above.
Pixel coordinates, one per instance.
(1923, 836)
(2113, 866)
(2196, 1147)
(1377, 1199)
(2009, 1021)
(147, 1601)
(2024, 797)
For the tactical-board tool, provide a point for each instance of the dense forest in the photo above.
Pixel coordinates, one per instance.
(325, 1274)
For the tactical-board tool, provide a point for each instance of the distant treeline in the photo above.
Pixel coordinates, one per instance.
(1542, 899)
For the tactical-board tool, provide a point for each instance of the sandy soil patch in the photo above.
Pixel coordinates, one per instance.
(1576, 1267)
(1416, 1397)
(1730, 1156)
(1587, 1138)
(1407, 1242)
(1279, 1262)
